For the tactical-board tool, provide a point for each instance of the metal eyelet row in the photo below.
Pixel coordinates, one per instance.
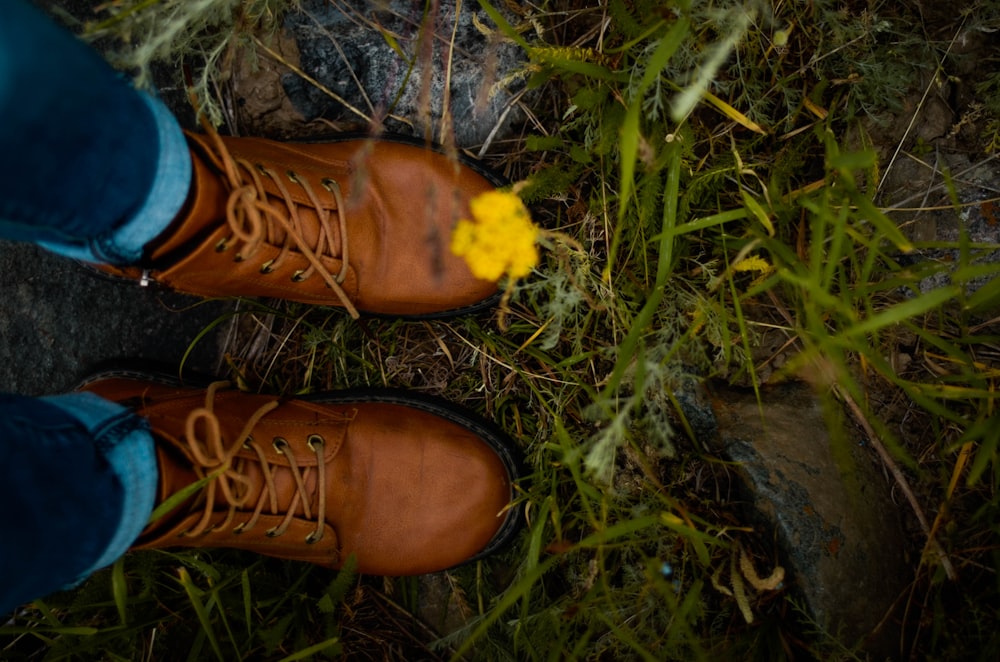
(280, 445)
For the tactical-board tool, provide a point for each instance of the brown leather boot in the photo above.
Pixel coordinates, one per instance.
(408, 485)
(363, 224)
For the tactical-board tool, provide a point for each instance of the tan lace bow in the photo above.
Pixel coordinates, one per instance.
(224, 470)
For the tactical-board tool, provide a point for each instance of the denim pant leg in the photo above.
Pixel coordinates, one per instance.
(89, 167)
(77, 483)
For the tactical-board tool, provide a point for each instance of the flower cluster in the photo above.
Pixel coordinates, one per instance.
(754, 263)
(500, 238)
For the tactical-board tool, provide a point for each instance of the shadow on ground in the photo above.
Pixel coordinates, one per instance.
(58, 320)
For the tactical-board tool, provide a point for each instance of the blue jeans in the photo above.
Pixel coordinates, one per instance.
(93, 170)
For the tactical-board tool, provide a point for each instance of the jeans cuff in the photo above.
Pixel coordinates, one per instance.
(171, 183)
(126, 442)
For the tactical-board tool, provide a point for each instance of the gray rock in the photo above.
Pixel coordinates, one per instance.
(838, 530)
(343, 46)
(930, 220)
(59, 320)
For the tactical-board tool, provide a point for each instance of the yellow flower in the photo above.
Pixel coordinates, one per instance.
(754, 263)
(500, 238)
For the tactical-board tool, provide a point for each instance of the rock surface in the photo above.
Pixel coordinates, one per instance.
(59, 320)
(837, 528)
(931, 220)
(410, 69)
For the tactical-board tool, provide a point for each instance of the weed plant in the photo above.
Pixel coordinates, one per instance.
(709, 173)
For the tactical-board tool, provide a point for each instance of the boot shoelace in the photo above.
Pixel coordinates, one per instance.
(254, 217)
(225, 472)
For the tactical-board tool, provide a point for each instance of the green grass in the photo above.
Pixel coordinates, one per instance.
(658, 191)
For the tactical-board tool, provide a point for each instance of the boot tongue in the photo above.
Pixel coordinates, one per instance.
(175, 474)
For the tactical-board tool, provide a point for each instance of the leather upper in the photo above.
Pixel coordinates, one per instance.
(406, 490)
(399, 205)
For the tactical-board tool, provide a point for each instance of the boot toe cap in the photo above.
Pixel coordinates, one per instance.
(430, 501)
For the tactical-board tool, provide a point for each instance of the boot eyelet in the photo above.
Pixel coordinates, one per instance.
(266, 267)
(239, 528)
(313, 538)
(297, 277)
(260, 168)
(292, 176)
(222, 246)
(314, 440)
(272, 533)
(280, 444)
(238, 258)
(329, 184)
